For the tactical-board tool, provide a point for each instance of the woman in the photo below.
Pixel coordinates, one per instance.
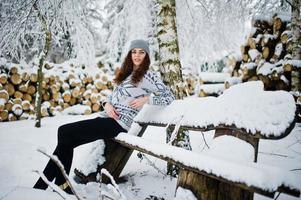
(136, 86)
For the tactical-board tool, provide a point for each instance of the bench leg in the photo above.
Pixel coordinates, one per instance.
(229, 192)
(116, 157)
(205, 188)
(202, 187)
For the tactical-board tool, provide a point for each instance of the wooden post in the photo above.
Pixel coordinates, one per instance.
(202, 187)
(116, 157)
(206, 188)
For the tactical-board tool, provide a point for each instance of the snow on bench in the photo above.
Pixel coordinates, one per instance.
(244, 111)
(263, 114)
(260, 178)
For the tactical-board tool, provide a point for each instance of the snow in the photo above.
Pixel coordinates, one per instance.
(285, 17)
(17, 109)
(2, 101)
(230, 152)
(77, 110)
(46, 105)
(183, 194)
(267, 37)
(253, 53)
(249, 66)
(253, 174)
(295, 63)
(213, 88)
(244, 105)
(19, 157)
(268, 68)
(278, 49)
(213, 77)
(234, 80)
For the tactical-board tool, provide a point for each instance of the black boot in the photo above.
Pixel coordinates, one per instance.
(50, 172)
(66, 188)
(40, 184)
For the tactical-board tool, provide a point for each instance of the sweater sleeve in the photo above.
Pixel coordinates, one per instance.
(162, 96)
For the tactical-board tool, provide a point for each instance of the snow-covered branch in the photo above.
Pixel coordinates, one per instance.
(54, 187)
(22, 38)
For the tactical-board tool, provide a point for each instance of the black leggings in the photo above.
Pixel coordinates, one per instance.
(72, 135)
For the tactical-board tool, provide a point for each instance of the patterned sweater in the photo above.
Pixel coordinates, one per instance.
(151, 85)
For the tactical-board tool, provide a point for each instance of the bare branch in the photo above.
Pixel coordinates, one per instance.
(289, 2)
(176, 130)
(277, 195)
(104, 171)
(204, 7)
(152, 164)
(194, 21)
(275, 154)
(205, 140)
(298, 141)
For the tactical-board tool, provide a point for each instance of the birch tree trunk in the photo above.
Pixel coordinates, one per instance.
(296, 39)
(43, 56)
(170, 66)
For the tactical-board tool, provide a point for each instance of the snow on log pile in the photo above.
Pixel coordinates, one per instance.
(212, 83)
(63, 87)
(267, 54)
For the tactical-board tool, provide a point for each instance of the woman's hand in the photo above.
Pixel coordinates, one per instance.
(138, 103)
(111, 111)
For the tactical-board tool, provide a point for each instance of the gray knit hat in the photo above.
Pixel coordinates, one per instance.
(142, 44)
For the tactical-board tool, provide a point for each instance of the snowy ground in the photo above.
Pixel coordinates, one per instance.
(19, 141)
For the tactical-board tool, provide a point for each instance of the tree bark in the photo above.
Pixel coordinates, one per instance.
(43, 56)
(170, 66)
(296, 41)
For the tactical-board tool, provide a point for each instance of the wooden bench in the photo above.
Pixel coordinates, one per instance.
(268, 115)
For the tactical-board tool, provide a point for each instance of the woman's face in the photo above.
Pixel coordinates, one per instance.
(138, 56)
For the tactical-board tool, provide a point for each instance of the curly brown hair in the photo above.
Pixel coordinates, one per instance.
(127, 68)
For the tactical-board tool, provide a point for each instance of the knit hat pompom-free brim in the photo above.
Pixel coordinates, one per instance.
(141, 44)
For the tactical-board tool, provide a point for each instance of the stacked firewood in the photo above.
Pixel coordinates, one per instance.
(267, 54)
(18, 93)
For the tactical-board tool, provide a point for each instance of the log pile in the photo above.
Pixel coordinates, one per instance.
(18, 92)
(212, 83)
(266, 56)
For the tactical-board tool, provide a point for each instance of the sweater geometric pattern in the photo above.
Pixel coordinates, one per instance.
(151, 85)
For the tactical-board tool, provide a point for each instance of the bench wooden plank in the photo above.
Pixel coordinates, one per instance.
(283, 182)
(210, 127)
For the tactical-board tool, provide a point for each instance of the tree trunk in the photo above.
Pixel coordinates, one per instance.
(43, 56)
(296, 41)
(170, 66)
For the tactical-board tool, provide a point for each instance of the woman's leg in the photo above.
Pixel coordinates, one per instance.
(75, 134)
